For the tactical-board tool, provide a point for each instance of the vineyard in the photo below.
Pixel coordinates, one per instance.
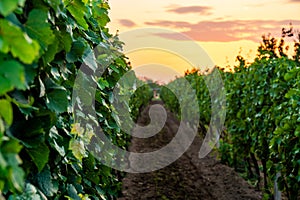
(261, 134)
(59, 64)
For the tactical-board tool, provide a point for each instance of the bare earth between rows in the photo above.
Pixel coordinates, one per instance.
(188, 177)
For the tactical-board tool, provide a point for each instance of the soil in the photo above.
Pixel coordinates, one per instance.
(188, 177)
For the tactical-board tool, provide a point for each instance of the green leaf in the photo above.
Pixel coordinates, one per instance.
(77, 50)
(42, 88)
(89, 162)
(77, 10)
(16, 174)
(38, 28)
(3, 163)
(57, 100)
(39, 155)
(56, 141)
(59, 149)
(8, 6)
(18, 43)
(72, 192)
(64, 40)
(100, 14)
(30, 73)
(12, 146)
(291, 74)
(51, 52)
(6, 111)
(292, 92)
(2, 127)
(102, 83)
(115, 68)
(11, 76)
(30, 137)
(46, 183)
(30, 192)
(24, 103)
(297, 132)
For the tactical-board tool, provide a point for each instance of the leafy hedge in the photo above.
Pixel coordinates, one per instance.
(262, 116)
(197, 81)
(142, 96)
(43, 150)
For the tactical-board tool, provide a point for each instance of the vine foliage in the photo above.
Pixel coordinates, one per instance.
(43, 152)
(261, 135)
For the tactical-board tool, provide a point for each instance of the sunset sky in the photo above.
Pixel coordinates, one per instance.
(223, 29)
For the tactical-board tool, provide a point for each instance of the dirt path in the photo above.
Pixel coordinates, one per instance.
(187, 178)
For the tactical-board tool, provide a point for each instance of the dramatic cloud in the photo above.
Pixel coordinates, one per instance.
(126, 22)
(225, 31)
(202, 10)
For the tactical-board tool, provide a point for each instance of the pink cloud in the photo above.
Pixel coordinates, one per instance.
(203, 10)
(224, 31)
(127, 23)
(169, 23)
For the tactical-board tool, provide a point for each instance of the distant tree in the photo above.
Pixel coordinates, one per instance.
(272, 48)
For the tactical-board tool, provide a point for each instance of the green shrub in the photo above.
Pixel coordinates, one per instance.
(43, 44)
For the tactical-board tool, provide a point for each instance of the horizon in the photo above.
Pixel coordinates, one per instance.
(223, 30)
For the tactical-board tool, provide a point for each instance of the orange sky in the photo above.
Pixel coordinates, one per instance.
(223, 29)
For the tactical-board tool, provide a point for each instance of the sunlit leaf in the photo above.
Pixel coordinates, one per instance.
(8, 6)
(6, 111)
(77, 10)
(12, 146)
(291, 74)
(13, 40)
(77, 148)
(292, 92)
(77, 129)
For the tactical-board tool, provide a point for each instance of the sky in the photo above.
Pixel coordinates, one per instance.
(165, 38)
